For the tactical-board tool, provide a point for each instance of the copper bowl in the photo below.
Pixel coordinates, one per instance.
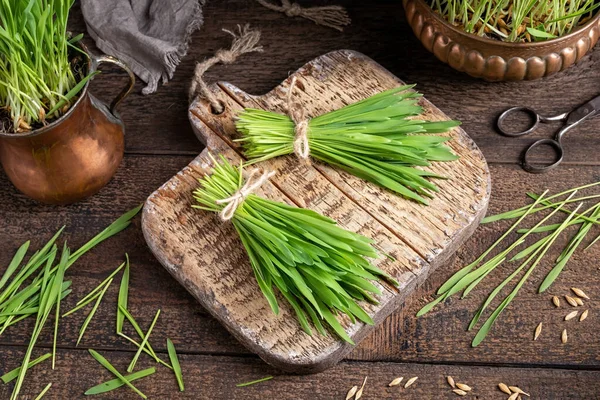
(494, 60)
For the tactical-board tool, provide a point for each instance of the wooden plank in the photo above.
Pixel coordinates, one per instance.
(205, 255)
(208, 377)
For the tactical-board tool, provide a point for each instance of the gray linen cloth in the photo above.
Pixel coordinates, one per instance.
(150, 36)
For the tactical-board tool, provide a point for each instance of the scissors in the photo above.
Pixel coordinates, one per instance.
(571, 119)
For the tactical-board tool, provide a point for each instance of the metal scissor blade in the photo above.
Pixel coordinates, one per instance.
(585, 111)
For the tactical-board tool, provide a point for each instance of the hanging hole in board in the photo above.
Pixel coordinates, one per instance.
(518, 121)
(218, 112)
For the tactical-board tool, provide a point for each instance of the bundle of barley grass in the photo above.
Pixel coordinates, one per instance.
(376, 139)
(318, 267)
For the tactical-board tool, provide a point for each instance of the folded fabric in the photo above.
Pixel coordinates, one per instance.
(151, 36)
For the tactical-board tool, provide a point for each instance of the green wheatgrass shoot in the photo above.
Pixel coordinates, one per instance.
(35, 287)
(175, 362)
(106, 364)
(244, 384)
(516, 20)
(44, 391)
(38, 71)
(318, 267)
(470, 276)
(379, 139)
(117, 383)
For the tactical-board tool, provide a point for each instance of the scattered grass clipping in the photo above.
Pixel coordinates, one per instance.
(175, 363)
(117, 383)
(318, 267)
(528, 258)
(104, 362)
(379, 139)
(266, 378)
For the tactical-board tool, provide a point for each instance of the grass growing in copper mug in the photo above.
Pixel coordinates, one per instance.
(379, 139)
(318, 267)
(516, 20)
(470, 276)
(37, 75)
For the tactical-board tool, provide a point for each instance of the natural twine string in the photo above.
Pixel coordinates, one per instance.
(334, 17)
(252, 183)
(297, 114)
(245, 41)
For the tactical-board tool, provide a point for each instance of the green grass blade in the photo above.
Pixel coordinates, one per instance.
(123, 294)
(14, 263)
(143, 344)
(92, 313)
(104, 362)
(12, 375)
(266, 378)
(44, 391)
(117, 383)
(175, 363)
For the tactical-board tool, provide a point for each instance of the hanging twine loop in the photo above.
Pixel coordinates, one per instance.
(245, 41)
(253, 182)
(334, 17)
(297, 114)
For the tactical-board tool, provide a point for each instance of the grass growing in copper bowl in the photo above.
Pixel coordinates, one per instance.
(516, 20)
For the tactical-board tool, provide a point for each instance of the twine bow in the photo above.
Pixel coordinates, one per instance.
(245, 41)
(297, 114)
(334, 17)
(252, 184)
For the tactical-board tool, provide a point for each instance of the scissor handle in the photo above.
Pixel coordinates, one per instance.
(540, 169)
(505, 114)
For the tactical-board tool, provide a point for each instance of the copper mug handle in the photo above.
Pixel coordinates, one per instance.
(97, 60)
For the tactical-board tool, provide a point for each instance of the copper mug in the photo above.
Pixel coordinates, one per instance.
(76, 155)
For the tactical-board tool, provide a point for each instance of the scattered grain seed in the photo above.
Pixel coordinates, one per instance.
(538, 330)
(464, 387)
(580, 293)
(451, 381)
(518, 390)
(351, 392)
(556, 301)
(504, 388)
(460, 392)
(578, 301)
(396, 381)
(571, 315)
(410, 381)
(571, 300)
(564, 336)
(513, 396)
(360, 391)
(583, 315)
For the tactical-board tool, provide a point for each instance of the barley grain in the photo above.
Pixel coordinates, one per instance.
(396, 381)
(571, 300)
(564, 336)
(538, 330)
(504, 388)
(580, 293)
(583, 315)
(410, 381)
(556, 301)
(451, 381)
(360, 391)
(460, 392)
(571, 315)
(464, 387)
(351, 392)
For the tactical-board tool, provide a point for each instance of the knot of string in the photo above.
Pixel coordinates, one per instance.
(244, 41)
(297, 114)
(253, 182)
(334, 17)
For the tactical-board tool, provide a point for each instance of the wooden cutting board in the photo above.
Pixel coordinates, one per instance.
(206, 256)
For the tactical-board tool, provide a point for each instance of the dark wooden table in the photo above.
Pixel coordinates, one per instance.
(159, 142)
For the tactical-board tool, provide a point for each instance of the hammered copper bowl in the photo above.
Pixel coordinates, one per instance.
(494, 60)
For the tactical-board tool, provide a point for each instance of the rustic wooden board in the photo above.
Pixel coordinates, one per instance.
(207, 258)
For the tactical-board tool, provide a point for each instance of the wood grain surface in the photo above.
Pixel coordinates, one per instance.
(206, 257)
(160, 142)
